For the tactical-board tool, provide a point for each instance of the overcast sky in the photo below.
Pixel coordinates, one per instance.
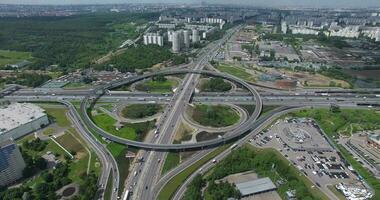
(306, 3)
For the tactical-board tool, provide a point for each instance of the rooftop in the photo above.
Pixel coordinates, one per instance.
(16, 114)
(255, 186)
(6, 143)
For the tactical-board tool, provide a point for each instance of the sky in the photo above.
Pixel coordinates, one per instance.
(265, 3)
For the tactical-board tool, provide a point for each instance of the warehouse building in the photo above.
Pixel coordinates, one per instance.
(11, 163)
(19, 119)
(257, 186)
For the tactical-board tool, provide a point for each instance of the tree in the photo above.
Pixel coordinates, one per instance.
(194, 190)
(48, 177)
(216, 85)
(334, 108)
(159, 78)
(40, 163)
(42, 188)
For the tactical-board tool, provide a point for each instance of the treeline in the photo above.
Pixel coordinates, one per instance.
(142, 57)
(26, 79)
(35, 145)
(69, 42)
(336, 73)
(194, 189)
(50, 183)
(51, 180)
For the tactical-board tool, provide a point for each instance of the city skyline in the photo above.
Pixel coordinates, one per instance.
(259, 3)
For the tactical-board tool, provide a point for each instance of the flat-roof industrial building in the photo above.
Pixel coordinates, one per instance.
(255, 186)
(19, 119)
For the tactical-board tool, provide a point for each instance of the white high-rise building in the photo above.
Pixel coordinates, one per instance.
(170, 35)
(186, 38)
(153, 38)
(284, 27)
(176, 43)
(195, 36)
(348, 32)
(11, 163)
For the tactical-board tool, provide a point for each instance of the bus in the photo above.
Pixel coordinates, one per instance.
(233, 146)
(126, 195)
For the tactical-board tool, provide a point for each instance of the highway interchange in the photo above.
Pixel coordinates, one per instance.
(144, 180)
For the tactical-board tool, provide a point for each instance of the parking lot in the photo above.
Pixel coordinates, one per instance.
(303, 144)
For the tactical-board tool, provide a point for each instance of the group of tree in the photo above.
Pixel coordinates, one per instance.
(159, 78)
(141, 129)
(222, 190)
(214, 115)
(194, 190)
(88, 79)
(35, 145)
(70, 41)
(216, 85)
(26, 79)
(43, 190)
(179, 59)
(52, 182)
(140, 57)
(251, 48)
(264, 164)
(336, 73)
(33, 164)
(88, 187)
(137, 111)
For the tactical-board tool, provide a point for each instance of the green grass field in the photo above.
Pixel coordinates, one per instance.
(76, 85)
(171, 161)
(131, 131)
(344, 122)
(106, 123)
(169, 189)
(215, 116)
(13, 57)
(115, 148)
(58, 115)
(108, 190)
(157, 86)
(235, 71)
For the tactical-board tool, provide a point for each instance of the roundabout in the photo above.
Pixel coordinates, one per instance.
(237, 132)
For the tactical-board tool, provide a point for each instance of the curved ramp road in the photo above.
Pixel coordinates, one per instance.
(246, 126)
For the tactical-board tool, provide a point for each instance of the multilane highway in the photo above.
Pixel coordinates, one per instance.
(152, 167)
